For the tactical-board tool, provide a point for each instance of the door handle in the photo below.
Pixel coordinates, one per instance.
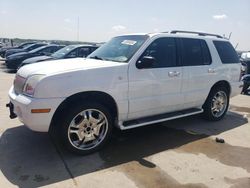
(210, 70)
(173, 74)
(177, 73)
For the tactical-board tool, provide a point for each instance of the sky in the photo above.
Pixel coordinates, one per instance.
(101, 20)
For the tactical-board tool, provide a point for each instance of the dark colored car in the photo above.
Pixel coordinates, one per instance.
(25, 49)
(245, 71)
(71, 51)
(15, 60)
(21, 46)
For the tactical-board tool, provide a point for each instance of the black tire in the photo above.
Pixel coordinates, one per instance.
(209, 113)
(72, 114)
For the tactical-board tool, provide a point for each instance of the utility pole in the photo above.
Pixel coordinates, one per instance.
(77, 29)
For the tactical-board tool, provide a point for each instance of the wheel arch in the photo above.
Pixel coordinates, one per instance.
(221, 83)
(97, 96)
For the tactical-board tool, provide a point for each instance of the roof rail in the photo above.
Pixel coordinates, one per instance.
(198, 33)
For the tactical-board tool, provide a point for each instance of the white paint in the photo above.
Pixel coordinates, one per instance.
(141, 92)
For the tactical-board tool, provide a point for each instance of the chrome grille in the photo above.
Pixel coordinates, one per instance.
(19, 84)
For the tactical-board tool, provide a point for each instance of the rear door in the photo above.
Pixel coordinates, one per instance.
(198, 71)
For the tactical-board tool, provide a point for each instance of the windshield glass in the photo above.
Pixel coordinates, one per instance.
(119, 49)
(62, 52)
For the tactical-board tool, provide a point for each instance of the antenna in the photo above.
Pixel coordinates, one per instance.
(229, 35)
(236, 46)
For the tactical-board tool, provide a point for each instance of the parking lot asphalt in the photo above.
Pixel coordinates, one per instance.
(181, 153)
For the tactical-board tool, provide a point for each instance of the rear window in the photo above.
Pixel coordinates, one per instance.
(226, 52)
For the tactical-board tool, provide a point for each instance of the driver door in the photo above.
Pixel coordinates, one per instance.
(157, 89)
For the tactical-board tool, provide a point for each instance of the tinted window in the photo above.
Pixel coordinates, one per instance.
(83, 52)
(164, 52)
(226, 52)
(72, 54)
(93, 49)
(52, 49)
(192, 52)
(207, 60)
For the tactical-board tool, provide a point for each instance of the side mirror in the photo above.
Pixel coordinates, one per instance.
(146, 62)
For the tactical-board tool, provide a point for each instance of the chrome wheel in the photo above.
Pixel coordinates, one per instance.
(219, 104)
(88, 129)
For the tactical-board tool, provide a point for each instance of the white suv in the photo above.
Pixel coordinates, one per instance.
(131, 81)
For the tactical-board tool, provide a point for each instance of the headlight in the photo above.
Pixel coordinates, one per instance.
(30, 84)
(243, 68)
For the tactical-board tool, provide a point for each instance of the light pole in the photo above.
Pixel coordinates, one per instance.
(77, 35)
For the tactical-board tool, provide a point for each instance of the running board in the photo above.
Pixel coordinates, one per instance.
(159, 118)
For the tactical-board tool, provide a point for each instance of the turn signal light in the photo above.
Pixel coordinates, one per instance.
(46, 110)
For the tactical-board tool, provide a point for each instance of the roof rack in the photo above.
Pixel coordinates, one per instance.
(198, 33)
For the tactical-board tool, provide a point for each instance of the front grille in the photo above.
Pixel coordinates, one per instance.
(19, 84)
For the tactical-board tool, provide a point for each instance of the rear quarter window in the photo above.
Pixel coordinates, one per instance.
(226, 52)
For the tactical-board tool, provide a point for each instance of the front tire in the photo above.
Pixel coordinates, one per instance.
(216, 104)
(86, 128)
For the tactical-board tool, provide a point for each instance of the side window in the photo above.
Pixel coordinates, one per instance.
(207, 60)
(164, 52)
(83, 52)
(93, 49)
(72, 54)
(192, 52)
(47, 51)
(226, 52)
(54, 49)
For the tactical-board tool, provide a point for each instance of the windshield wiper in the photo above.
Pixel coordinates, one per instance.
(96, 57)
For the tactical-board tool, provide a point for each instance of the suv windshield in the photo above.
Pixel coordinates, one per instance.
(119, 49)
(62, 52)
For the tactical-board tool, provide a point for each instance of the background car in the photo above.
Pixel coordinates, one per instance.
(71, 51)
(21, 46)
(245, 61)
(25, 49)
(14, 61)
(245, 71)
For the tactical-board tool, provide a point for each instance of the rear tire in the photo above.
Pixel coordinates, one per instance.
(216, 104)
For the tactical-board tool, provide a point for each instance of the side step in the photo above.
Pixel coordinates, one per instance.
(159, 118)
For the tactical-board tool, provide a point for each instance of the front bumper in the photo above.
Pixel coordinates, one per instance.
(11, 64)
(22, 106)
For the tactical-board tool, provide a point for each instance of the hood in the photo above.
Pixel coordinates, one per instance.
(36, 59)
(13, 56)
(15, 50)
(64, 65)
